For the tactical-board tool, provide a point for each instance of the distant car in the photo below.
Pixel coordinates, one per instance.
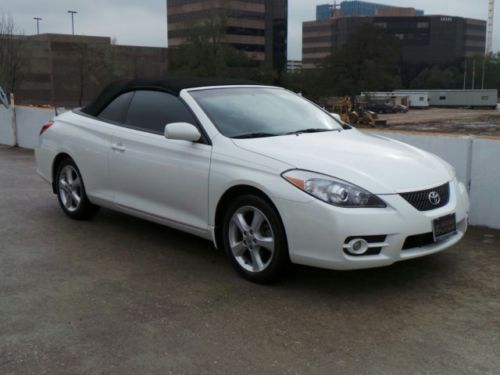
(265, 174)
(381, 108)
(401, 108)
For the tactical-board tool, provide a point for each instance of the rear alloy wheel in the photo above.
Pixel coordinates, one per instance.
(71, 192)
(254, 239)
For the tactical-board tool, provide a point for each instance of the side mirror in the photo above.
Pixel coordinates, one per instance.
(182, 131)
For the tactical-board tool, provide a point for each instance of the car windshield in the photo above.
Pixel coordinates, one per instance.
(252, 112)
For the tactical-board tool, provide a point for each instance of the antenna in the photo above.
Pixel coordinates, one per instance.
(491, 17)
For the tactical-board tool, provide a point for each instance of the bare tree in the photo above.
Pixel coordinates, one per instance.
(11, 54)
(92, 65)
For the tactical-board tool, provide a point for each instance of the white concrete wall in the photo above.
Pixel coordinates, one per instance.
(6, 131)
(29, 122)
(485, 183)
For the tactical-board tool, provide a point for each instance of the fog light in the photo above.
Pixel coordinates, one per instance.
(358, 246)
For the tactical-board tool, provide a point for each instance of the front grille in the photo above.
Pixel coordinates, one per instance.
(419, 240)
(421, 201)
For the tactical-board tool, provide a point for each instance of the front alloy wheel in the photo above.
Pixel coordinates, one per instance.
(254, 239)
(251, 239)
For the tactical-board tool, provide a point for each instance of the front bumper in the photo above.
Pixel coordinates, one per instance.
(317, 231)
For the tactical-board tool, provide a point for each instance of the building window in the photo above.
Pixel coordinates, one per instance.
(382, 25)
(422, 25)
(442, 98)
(422, 98)
(485, 97)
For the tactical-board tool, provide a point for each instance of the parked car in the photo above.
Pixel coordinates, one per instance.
(400, 108)
(381, 108)
(268, 176)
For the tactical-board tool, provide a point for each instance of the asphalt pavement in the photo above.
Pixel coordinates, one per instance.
(119, 295)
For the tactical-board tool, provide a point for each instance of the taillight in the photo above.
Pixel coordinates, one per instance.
(46, 127)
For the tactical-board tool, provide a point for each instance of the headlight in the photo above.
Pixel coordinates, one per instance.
(332, 190)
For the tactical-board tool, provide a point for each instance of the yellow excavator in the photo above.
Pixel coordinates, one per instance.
(345, 109)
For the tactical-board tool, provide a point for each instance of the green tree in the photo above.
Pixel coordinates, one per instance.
(438, 78)
(207, 53)
(308, 82)
(491, 72)
(369, 61)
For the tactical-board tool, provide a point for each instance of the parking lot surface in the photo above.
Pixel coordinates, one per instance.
(124, 296)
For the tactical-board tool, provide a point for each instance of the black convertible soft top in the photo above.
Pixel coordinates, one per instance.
(170, 85)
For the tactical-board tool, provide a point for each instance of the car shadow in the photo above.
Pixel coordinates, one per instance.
(200, 254)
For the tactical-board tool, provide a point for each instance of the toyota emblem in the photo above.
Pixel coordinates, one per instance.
(434, 198)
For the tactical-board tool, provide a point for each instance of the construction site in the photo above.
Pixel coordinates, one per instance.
(446, 120)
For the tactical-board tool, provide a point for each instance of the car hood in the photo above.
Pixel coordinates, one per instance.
(375, 163)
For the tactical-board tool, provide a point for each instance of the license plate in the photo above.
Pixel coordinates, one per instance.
(444, 226)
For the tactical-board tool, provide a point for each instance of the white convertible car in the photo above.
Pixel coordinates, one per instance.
(265, 174)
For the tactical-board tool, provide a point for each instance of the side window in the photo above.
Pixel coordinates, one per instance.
(117, 110)
(152, 110)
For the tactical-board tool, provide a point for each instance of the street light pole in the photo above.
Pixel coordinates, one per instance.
(72, 12)
(37, 19)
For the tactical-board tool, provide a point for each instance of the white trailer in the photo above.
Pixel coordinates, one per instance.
(461, 98)
(416, 99)
(410, 99)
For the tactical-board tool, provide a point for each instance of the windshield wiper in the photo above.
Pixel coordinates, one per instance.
(255, 135)
(310, 130)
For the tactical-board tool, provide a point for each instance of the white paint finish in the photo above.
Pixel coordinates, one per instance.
(162, 177)
(455, 150)
(6, 131)
(376, 164)
(485, 187)
(182, 131)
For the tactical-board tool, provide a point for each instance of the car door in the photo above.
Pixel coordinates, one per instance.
(92, 147)
(163, 178)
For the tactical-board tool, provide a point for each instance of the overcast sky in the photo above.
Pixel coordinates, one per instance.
(143, 22)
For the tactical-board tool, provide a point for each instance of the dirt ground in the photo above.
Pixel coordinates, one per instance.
(443, 120)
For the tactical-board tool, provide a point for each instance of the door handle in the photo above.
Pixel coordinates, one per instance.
(118, 147)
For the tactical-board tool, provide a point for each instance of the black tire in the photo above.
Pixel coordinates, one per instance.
(84, 209)
(279, 261)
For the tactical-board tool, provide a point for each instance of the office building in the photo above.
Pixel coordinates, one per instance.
(294, 66)
(70, 70)
(257, 27)
(362, 9)
(424, 39)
